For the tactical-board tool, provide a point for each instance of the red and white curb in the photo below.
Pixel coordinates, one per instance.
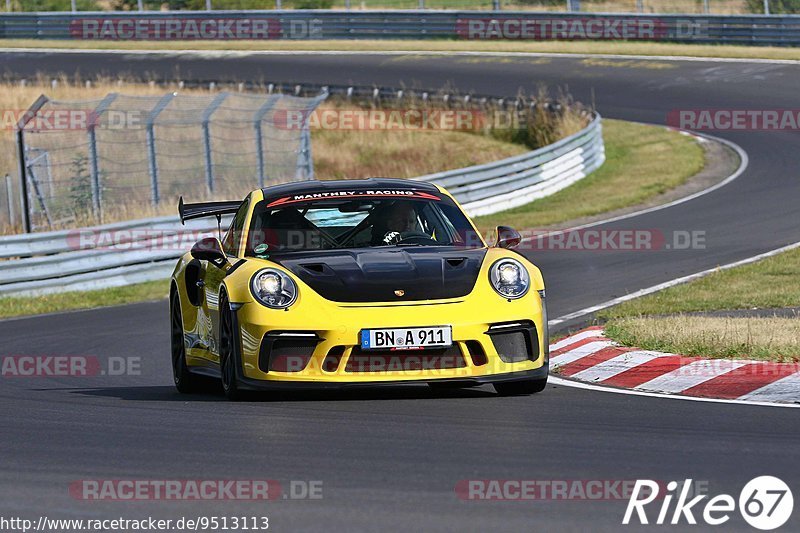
(589, 356)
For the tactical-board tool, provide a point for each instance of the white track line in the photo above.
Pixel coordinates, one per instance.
(555, 380)
(744, 161)
(671, 283)
(555, 55)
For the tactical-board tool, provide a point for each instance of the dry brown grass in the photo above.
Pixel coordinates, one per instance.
(635, 48)
(337, 154)
(402, 154)
(775, 339)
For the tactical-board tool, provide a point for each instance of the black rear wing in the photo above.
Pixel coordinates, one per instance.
(206, 209)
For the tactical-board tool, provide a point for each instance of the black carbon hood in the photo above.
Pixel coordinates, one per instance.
(373, 275)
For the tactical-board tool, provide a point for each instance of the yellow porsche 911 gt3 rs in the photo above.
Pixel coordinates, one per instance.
(360, 282)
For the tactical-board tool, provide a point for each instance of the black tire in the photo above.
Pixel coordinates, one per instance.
(520, 388)
(228, 351)
(185, 381)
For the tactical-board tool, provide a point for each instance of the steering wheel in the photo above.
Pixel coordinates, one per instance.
(408, 237)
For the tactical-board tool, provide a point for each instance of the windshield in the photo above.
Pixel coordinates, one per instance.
(355, 222)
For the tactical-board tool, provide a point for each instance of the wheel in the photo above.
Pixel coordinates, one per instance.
(185, 381)
(228, 351)
(520, 388)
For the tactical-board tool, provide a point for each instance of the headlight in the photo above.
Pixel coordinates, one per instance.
(509, 278)
(273, 288)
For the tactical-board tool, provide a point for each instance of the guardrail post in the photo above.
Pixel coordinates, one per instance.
(640, 6)
(207, 139)
(278, 4)
(257, 118)
(766, 7)
(151, 145)
(347, 4)
(9, 199)
(496, 5)
(706, 7)
(422, 4)
(141, 5)
(208, 5)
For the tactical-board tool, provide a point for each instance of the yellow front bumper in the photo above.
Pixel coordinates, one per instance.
(339, 325)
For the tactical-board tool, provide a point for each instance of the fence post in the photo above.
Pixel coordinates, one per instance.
(706, 7)
(9, 198)
(347, 4)
(23, 183)
(141, 5)
(151, 145)
(257, 119)
(421, 4)
(207, 139)
(208, 5)
(766, 7)
(94, 166)
(23, 165)
(640, 6)
(496, 5)
(305, 163)
(305, 167)
(73, 5)
(278, 4)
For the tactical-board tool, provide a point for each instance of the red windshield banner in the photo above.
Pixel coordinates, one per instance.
(410, 195)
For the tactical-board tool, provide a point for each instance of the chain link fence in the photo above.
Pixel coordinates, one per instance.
(124, 157)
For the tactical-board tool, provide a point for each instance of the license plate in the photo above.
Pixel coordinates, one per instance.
(407, 338)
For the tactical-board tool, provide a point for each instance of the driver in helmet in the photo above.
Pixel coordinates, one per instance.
(400, 219)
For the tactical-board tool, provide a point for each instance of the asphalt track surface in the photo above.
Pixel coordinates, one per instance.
(390, 459)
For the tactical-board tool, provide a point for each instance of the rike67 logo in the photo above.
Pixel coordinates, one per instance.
(765, 503)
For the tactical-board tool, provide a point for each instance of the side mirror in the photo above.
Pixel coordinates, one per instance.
(507, 237)
(209, 249)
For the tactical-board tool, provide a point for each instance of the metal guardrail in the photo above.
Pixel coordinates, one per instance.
(136, 251)
(508, 183)
(399, 24)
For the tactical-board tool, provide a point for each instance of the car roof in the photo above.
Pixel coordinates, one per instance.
(314, 186)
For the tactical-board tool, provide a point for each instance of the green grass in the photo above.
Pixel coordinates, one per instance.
(641, 162)
(37, 305)
(553, 47)
(764, 338)
(770, 283)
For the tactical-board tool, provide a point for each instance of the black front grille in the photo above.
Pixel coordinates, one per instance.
(477, 353)
(515, 342)
(286, 353)
(331, 362)
(404, 360)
